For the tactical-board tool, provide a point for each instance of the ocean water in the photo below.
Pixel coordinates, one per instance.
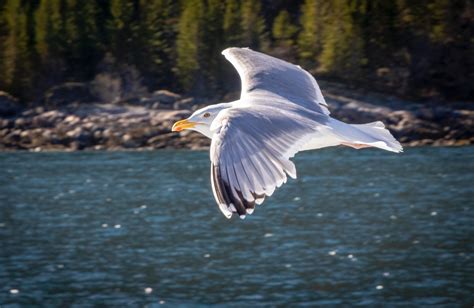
(133, 229)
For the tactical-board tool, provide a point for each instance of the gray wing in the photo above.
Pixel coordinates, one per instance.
(265, 76)
(250, 154)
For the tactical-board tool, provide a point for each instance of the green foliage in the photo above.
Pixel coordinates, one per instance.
(212, 59)
(253, 25)
(123, 29)
(189, 43)
(232, 24)
(157, 36)
(283, 29)
(342, 44)
(312, 26)
(48, 29)
(413, 47)
(16, 63)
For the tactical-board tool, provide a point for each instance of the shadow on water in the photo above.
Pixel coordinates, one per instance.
(135, 228)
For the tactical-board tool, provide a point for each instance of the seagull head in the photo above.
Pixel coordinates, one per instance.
(201, 119)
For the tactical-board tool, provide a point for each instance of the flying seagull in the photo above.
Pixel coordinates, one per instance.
(281, 111)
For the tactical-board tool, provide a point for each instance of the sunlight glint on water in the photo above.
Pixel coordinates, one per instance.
(356, 227)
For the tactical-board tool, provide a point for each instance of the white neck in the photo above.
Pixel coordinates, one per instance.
(206, 129)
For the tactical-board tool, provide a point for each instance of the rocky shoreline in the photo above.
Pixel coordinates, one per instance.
(65, 123)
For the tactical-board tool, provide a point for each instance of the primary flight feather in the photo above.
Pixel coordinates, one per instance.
(281, 111)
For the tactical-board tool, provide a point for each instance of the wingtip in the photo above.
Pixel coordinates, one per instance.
(225, 210)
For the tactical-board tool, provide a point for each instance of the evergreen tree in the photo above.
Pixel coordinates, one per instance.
(283, 30)
(123, 29)
(50, 43)
(16, 60)
(253, 26)
(211, 50)
(445, 20)
(313, 21)
(188, 45)
(232, 23)
(157, 33)
(343, 47)
(284, 34)
(48, 26)
(3, 40)
(169, 43)
(88, 45)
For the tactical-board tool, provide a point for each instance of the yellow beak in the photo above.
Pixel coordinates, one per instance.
(183, 124)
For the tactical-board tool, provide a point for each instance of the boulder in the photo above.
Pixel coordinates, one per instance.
(72, 120)
(165, 97)
(5, 123)
(67, 93)
(128, 141)
(9, 105)
(48, 119)
(184, 104)
(22, 123)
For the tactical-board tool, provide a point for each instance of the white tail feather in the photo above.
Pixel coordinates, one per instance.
(371, 134)
(381, 137)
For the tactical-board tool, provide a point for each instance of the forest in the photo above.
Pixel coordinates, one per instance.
(420, 49)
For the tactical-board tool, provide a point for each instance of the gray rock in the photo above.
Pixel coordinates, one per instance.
(21, 123)
(72, 120)
(5, 123)
(4, 132)
(165, 97)
(129, 142)
(184, 104)
(75, 133)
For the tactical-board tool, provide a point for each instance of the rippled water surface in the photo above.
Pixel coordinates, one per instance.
(137, 228)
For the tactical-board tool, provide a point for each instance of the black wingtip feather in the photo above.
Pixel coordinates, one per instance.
(225, 194)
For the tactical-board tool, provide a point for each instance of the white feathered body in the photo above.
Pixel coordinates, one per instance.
(281, 112)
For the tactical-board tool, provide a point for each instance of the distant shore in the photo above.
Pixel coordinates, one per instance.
(70, 124)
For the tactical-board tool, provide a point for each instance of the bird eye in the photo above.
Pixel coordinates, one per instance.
(206, 115)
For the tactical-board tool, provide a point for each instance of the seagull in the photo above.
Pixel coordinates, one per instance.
(281, 111)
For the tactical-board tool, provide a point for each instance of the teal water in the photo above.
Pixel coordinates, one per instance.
(357, 227)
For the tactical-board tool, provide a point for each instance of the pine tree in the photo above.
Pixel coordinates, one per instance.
(3, 46)
(253, 26)
(80, 48)
(88, 44)
(188, 45)
(215, 42)
(122, 29)
(313, 21)
(445, 21)
(157, 34)
(283, 30)
(51, 43)
(376, 20)
(284, 34)
(343, 47)
(232, 23)
(16, 59)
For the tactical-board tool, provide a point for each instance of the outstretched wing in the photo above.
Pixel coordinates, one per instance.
(265, 76)
(250, 154)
